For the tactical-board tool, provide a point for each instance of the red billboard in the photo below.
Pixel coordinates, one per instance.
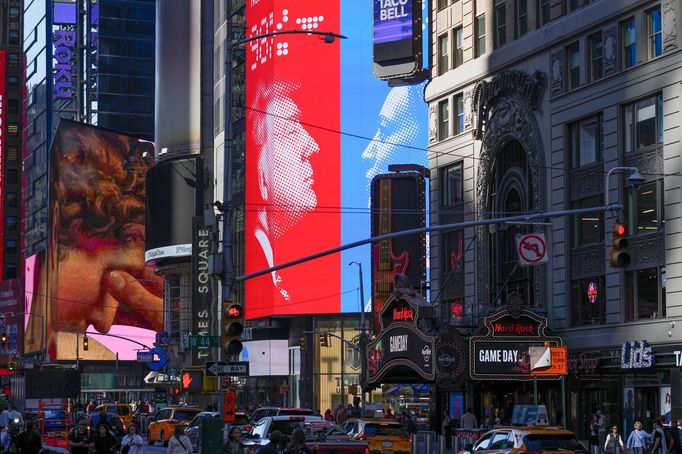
(93, 278)
(292, 158)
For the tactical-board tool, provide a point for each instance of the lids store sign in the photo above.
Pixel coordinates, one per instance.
(637, 355)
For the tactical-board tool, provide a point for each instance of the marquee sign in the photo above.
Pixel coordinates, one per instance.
(401, 349)
(501, 352)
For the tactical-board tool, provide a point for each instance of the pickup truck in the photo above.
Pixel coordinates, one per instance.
(322, 437)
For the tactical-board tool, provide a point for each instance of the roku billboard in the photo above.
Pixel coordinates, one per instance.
(319, 127)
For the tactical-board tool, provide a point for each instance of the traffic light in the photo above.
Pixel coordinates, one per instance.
(303, 345)
(619, 257)
(324, 339)
(192, 380)
(85, 343)
(233, 327)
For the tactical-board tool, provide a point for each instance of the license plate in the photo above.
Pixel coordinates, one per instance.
(386, 444)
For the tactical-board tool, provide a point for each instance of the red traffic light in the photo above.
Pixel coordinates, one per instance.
(620, 229)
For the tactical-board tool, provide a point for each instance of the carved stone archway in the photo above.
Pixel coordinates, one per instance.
(503, 110)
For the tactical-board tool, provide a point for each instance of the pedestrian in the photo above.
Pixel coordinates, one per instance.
(594, 435)
(103, 440)
(273, 446)
(133, 441)
(29, 441)
(179, 443)
(389, 413)
(284, 444)
(601, 431)
(408, 424)
(614, 442)
(638, 439)
(79, 439)
(297, 445)
(328, 416)
(660, 445)
(446, 428)
(469, 420)
(234, 442)
(675, 444)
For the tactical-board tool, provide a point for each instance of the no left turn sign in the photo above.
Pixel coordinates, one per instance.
(531, 248)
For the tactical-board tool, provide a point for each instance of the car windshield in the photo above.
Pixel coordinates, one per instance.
(378, 430)
(552, 442)
(184, 415)
(124, 411)
(286, 427)
(241, 420)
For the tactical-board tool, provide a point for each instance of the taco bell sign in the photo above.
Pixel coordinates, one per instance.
(64, 47)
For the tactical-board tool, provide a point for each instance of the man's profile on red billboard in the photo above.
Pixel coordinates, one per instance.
(285, 174)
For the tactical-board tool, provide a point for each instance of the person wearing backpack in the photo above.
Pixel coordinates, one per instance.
(179, 443)
(614, 442)
(132, 442)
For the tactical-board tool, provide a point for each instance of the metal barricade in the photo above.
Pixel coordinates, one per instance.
(424, 442)
(461, 438)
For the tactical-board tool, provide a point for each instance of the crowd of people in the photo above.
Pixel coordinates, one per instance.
(662, 439)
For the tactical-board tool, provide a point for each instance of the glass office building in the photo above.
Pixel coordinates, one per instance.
(85, 60)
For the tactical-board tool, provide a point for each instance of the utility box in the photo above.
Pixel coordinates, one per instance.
(210, 435)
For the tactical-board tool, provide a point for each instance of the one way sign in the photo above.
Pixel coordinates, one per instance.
(232, 368)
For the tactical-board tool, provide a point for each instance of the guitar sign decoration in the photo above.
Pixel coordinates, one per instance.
(398, 203)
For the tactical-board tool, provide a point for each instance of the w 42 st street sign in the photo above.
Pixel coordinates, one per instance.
(231, 368)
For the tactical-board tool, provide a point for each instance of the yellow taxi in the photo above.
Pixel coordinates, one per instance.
(382, 435)
(163, 425)
(122, 410)
(527, 440)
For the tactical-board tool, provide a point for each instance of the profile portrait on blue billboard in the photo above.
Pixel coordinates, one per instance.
(400, 137)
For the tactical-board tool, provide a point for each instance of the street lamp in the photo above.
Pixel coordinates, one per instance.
(635, 178)
(363, 326)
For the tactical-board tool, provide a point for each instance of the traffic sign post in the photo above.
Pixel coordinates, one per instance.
(230, 368)
(531, 248)
(230, 406)
(203, 341)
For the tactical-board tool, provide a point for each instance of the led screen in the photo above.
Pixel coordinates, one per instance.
(318, 130)
(392, 20)
(93, 276)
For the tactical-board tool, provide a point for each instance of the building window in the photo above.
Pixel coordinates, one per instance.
(595, 46)
(587, 298)
(456, 312)
(653, 17)
(12, 176)
(585, 141)
(573, 66)
(12, 153)
(442, 4)
(452, 192)
(11, 246)
(452, 252)
(13, 105)
(443, 57)
(10, 271)
(459, 113)
(645, 294)
(13, 129)
(459, 47)
(573, 5)
(12, 199)
(480, 35)
(443, 120)
(542, 10)
(14, 37)
(13, 12)
(500, 25)
(643, 123)
(588, 227)
(13, 60)
(11, 223)
(629, 43)
(521, 17)
(645, 208)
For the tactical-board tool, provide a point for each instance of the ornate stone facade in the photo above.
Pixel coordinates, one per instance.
(503, 109)
(669, 11)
